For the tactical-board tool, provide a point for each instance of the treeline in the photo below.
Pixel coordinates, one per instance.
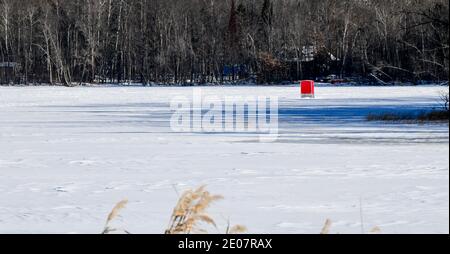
(198, 41)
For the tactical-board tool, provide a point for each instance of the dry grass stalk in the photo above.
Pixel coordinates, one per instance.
(326, 228)
(113, 214)
(237, 229)
(375, 230)
(190, 211)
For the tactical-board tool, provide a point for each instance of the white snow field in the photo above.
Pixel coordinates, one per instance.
(68, 155)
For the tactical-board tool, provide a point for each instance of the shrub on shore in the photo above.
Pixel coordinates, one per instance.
(424, 117)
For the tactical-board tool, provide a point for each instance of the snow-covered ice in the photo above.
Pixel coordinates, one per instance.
(67, 155)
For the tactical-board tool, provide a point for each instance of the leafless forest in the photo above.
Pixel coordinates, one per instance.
(71, 42)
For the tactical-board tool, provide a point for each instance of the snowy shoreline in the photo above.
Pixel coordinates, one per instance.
(320, 84)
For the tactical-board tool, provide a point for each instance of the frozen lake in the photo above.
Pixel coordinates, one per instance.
(67, 155)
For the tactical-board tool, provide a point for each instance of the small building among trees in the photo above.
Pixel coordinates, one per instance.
(8, 72)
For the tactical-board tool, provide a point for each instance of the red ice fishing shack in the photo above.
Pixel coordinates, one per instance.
(307, 88)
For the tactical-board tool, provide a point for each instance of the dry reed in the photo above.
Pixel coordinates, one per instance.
(328, 224)
(326, 228)
(112, 215)
(237, 229)
(375, 230)
(190, 211)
